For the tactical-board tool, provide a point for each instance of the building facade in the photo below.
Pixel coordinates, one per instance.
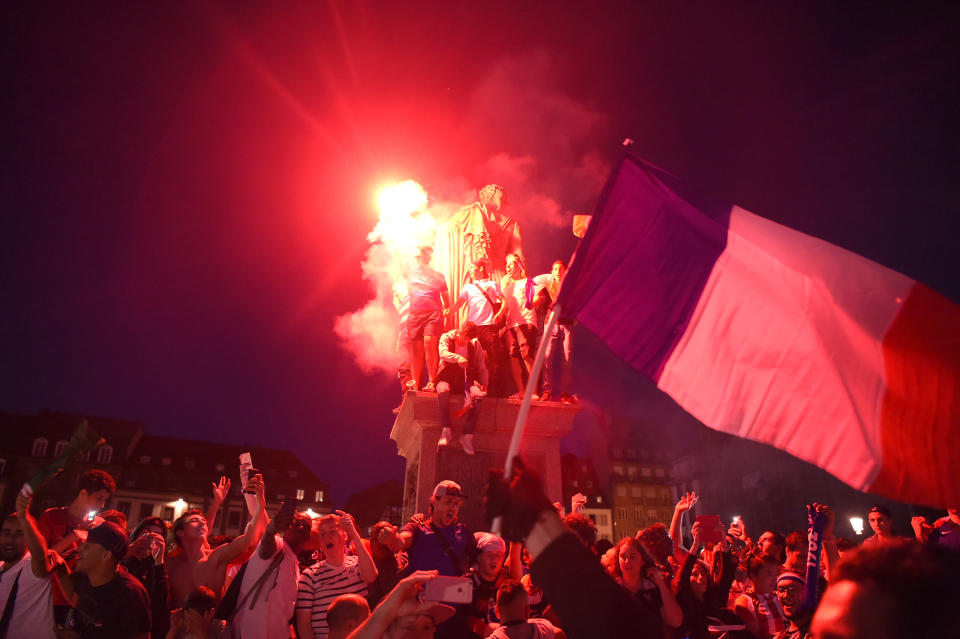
(156, 476)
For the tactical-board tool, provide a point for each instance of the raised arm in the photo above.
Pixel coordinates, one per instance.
(368, 570)
(255, 529)
(686, 503)
(40, 563)
(375, 626)
(220, 491)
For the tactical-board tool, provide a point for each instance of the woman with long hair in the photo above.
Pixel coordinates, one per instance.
(634, 568)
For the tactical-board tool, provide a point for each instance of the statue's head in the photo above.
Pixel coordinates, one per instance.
(491, 196)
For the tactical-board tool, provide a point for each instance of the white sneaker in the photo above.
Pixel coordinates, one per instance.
(466, 442)
(445, 436)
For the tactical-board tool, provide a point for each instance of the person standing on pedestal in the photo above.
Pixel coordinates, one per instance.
(429, 310)
(462, 371)
(486, 308)
(557, 372)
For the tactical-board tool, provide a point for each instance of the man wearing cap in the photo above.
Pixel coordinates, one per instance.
(881, 520)
(488, 575)
(109, 601)
(440, 543)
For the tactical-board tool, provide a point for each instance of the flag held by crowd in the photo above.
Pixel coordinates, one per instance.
(766, 333)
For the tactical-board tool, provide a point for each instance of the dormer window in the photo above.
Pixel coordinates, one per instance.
(60, 447)
(39, 447)
(144, 459)
(105, 454)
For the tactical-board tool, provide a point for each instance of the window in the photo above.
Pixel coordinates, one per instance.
(166, 461)
(61, 446)
(646, 472)
(144, 459)
(575, 483)
(84, 456)
(631, 453)
(167, 513)
(618, 469)
(603, 520)
(39, 447)
(632, 472)
(617, 453)
(220, 468)
(622, 514)
(658, 472)
(589, 483)
(583, 469)
(637, 513)
(621, 491)
(190, 464)
(318, 496)
(299, 493)
(650, 492)
(636, 491)
(105, 454)
(124, 507)
(292, 474)
(146, 510)
(652, 514)
(233, 519)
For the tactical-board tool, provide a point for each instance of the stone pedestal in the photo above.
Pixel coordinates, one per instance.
(417, 430)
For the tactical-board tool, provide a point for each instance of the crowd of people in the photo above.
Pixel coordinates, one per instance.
(75, 571)
(492, 351)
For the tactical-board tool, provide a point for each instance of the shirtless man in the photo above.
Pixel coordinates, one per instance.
(194, 564)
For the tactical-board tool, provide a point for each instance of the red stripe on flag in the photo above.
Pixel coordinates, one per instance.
(921, 409)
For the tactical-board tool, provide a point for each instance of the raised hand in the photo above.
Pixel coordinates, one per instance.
(687, 502)
(348, 525)
(221, 489)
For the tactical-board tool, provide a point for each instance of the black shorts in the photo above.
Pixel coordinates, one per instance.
(522, 340)
(423, 323)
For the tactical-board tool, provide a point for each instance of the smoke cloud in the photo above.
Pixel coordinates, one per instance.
(542, 150)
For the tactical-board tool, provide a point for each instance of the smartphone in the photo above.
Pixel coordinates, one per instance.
(449, 589)
(246, 470)
(712, 528)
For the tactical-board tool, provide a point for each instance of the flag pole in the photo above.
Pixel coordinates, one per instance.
(527, 399)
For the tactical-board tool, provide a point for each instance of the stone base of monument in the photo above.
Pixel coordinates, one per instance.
(417, 430)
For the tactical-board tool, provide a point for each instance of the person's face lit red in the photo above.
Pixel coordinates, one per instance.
(791, 596)
(630, 561)
(12, 542)
(195, 527)
(559, 270)
(850, 610)
(880, 523)
(699, 580)
(445, 510)
(490, 563)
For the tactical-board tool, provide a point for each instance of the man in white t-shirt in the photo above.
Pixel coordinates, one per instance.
(484, 301)
(513, 610)
(338, 574)
(26, 567)
(519, 293)
(268, 590)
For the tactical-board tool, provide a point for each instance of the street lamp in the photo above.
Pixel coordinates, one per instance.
(857, 524)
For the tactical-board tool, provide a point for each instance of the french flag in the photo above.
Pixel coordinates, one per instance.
(763, 332)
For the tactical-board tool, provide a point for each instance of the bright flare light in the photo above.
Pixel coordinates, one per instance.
(401, 199)
(312, 514)
(857, 523)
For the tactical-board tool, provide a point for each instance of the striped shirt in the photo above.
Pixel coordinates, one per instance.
(321, 583)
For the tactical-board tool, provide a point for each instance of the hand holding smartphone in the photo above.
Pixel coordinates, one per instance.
(449, 590)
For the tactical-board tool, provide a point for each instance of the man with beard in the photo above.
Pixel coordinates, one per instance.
(109, 601)
(25, 577)
(267, 589)
(440, 543)
(338, 574)
(193, 563)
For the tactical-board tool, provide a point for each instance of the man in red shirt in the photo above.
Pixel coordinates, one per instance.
(65, 528)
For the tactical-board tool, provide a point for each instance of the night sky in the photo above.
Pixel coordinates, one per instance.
(188, 187)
